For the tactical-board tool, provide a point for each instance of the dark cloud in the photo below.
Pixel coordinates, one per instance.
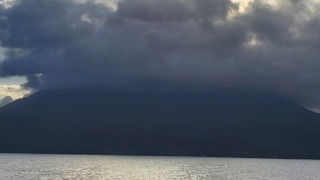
(64, 43)
(46, 24)
(166, 11)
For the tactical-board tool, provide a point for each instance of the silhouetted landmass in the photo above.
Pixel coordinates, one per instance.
(217, 123)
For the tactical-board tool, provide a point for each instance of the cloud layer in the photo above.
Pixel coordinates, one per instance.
(14, 91)
(69, 43)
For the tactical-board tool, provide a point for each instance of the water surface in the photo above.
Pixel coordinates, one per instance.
(24, 167)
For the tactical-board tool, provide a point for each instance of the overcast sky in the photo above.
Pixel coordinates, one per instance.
(273, 45)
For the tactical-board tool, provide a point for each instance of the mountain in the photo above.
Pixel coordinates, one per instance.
(6, 100)
(224, 123)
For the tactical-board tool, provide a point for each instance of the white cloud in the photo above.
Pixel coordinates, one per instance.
(7, 3)
(243, 4)
(15, 91)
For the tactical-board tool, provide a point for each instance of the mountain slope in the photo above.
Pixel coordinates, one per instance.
(219, 123)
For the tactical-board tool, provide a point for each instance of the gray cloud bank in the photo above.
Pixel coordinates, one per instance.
(65, 43)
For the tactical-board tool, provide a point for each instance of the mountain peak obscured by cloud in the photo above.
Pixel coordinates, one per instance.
(6, 100)
(271, 45)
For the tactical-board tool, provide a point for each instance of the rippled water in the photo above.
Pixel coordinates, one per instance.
(19, 166)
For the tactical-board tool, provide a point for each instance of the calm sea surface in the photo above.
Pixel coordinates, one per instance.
(20, 166)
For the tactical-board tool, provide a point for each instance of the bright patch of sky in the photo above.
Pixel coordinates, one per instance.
(245, 4)
(14, 91)
(11, 86)
(13, 80)
(110, 3)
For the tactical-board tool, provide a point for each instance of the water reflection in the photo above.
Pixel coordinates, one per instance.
(133, 167)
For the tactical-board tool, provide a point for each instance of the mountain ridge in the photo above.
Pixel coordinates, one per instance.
(218, 123)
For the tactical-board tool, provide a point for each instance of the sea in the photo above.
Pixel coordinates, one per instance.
(92, 167)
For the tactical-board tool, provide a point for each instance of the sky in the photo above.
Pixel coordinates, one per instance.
(268, 44)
